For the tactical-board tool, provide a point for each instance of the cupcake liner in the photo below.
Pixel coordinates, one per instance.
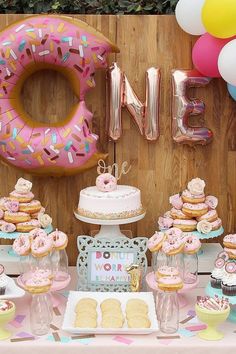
(216, 283)
(228, 290)
(2, 290)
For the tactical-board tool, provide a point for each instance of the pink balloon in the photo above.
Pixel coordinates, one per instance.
(206, 52)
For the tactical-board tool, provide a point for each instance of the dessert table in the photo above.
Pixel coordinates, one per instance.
(184, 341)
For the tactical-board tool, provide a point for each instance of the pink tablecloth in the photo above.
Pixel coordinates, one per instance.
(110, 344)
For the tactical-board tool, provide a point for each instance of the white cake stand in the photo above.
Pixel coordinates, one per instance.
(109, 228)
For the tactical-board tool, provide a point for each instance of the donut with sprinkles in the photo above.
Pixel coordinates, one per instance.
(66, 45)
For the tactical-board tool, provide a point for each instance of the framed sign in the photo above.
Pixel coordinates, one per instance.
(102, 263)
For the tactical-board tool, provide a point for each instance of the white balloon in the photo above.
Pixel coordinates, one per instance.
(227, 62)
(189, 16)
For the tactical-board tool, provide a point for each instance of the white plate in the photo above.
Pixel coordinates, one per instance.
(12, 290)
(75, 296)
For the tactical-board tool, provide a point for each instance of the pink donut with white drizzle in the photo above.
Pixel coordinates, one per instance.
(174, 232)
(21, 245)
(192, 244)
(178, 214)
(173, 246)
(41, 246)
(8, 227)
(216, 224)
(12, 205)
(60, 240)
(36, 232)
(155, 242)
(185, 225)
(106, 182)
(210, 216)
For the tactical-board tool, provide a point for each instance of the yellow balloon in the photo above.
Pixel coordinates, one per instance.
(219, 17)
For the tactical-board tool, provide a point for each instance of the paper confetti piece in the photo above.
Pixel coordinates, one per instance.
(187, 319)
(82, 336)
(168, 337)
(19, 318)
(56, 311)
(191, 313)
(65, 339)
(56, 337)
(15, 324)
(123, 340)
(196, 328)
(24, 335)
(184, 332)
(22, 339)
(55, 328)
(194, 320)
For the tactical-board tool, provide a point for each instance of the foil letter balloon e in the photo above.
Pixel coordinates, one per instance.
(121, 94)
(183, 107)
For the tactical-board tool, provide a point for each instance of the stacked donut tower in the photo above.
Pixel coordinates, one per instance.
(39, 245)
(192, 210)
(21, 212)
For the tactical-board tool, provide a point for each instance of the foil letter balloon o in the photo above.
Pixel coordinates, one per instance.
(183, 107)
(66, 45)
(120, 94)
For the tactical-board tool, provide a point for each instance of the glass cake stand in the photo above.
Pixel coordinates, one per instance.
(109, 228)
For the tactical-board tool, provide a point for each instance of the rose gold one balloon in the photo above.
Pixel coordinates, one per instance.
(183, 107)
(121, 94)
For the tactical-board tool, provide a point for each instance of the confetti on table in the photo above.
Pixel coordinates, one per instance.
(56, 311)
(55, 328)
(194, 320)
(168, 337)
(22, 339)
(184, 332)
(19, 318)
(191, 313)
(82, 336)
(187, 319)
(196, 328)
(123, 340)
(15, 324)
(24, 335)
(56, 337)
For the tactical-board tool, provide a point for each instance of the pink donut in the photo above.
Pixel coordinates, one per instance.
(173, 246)
(8, 227)
(12, 205)
(106, 182)
(33, 234)
(41, 246)
(174, 232)
(155, 242)
(192, 244)
(21, 245)
(60, 239)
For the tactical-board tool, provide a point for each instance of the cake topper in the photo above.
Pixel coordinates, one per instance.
(102, 168)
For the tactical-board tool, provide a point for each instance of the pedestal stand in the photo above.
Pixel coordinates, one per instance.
(109, 228)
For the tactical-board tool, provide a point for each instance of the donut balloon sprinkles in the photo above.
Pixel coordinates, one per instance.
(76, 50)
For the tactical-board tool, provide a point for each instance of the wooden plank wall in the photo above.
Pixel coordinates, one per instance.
(159, 169)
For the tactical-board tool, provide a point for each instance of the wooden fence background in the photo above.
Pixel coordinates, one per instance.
(159, 169)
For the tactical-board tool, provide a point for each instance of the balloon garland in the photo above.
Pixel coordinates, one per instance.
(76, 50)
(214, 53)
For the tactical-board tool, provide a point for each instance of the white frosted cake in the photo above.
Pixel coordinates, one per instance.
(122, 202)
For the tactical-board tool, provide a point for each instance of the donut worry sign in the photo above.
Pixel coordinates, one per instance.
(76, 50)
(102, 263)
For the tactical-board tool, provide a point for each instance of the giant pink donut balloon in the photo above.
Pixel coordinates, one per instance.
(76, 50)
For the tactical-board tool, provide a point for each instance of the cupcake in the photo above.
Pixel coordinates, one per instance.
(3, 280)
(229, 279)
(217, 274)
